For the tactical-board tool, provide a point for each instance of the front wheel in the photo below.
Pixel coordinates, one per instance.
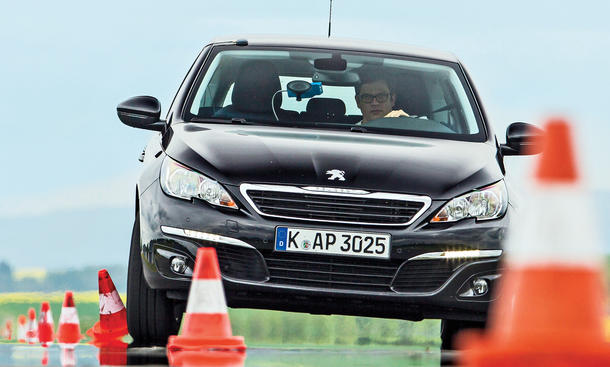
(450, 328)
(150, 314)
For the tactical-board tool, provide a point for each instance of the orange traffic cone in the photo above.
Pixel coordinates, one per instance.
(113, 316)
(550, 310)
(46, 333)
(31, 331)
(21, 328)
(206, 324)
(8, 330)
(68, 331)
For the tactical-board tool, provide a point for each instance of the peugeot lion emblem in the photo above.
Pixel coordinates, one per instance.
(335, 174)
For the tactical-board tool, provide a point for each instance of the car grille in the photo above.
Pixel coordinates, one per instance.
(425, 275)
(334, 208)
(331, 272)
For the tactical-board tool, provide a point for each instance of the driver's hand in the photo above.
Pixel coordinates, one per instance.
(397, 113)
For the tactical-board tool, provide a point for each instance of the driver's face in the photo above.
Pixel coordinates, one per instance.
(375, 109)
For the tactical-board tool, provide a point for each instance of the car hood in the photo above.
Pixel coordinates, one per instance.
(231, 154)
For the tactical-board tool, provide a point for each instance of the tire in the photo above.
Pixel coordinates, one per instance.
(450, 328)
(151, 316)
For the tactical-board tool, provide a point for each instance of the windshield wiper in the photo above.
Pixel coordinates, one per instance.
(234, 120)
(241, 121)
(358, 129)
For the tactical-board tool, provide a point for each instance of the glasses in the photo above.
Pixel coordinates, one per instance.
(368, 98)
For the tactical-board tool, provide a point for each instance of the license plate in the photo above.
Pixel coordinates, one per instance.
(307, 240)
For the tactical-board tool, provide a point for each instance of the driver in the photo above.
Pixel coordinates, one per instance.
(375, 97)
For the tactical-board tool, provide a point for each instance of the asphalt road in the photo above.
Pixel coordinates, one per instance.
(88, 355)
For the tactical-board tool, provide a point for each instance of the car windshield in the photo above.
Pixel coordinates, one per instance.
(330, 89)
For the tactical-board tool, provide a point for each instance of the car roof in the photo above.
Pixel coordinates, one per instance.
(339, 44)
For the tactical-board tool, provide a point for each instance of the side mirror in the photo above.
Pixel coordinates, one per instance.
(142, 112)
(522, 139)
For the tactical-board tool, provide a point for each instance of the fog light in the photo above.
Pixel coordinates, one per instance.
(178, 265)
(480, 286)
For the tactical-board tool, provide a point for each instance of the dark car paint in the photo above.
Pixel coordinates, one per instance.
(224, 152)
(157, 208)
(232, 155)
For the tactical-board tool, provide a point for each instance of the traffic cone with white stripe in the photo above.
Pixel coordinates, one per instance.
(46, 333)
(68, 331)
(31, 331)
(206, 324)
(8, 330)
(113, 316)
(21, 328)
(550, 310)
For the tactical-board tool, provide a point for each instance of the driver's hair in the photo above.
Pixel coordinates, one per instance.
(370, 75)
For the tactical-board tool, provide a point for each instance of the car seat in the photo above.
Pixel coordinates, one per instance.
(412, 95)
(255, 85)
(324, 110)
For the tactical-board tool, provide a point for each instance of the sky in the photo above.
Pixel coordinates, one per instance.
(65, 65)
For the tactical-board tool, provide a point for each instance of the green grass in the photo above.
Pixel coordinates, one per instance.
(260, 327)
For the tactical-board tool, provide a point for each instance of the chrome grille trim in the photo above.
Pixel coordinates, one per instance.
(425, 200)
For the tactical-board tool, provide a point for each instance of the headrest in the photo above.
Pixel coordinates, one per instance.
(412, 95)
(255, 84)
(326, 106)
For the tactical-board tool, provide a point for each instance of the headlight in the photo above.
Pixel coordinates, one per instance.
(487, 203)
(182, 182)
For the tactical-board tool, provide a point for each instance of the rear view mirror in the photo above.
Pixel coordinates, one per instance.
(522, 139)
(335, 63)
(141, 112)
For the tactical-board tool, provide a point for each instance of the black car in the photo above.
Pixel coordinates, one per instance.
(275, 153)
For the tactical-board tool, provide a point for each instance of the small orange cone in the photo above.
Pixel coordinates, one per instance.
(206, 325)
(21, 328)
(113, 316)
(46, 333)
(31, 331)
(8, 330)
(551, 306)
(68, 331)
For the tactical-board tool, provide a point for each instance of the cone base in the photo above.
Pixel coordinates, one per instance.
(480, 351)
(96, 333)
(206, 358)
(186, 343)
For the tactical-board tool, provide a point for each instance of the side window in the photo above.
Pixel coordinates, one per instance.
(446, 107)
(227, 100)
(204, 96)
(439, 105)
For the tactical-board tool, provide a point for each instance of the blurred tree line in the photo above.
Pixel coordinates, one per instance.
(81, 279)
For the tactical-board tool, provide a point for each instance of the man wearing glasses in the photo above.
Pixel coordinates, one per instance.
(375, 97)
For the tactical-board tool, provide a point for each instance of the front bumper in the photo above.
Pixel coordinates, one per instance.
(255, 276)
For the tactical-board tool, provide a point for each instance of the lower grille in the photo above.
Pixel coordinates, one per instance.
(331, 272)
(241, 263)
(425, 275)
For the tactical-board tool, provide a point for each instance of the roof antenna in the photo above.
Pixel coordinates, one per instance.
(330, 14)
